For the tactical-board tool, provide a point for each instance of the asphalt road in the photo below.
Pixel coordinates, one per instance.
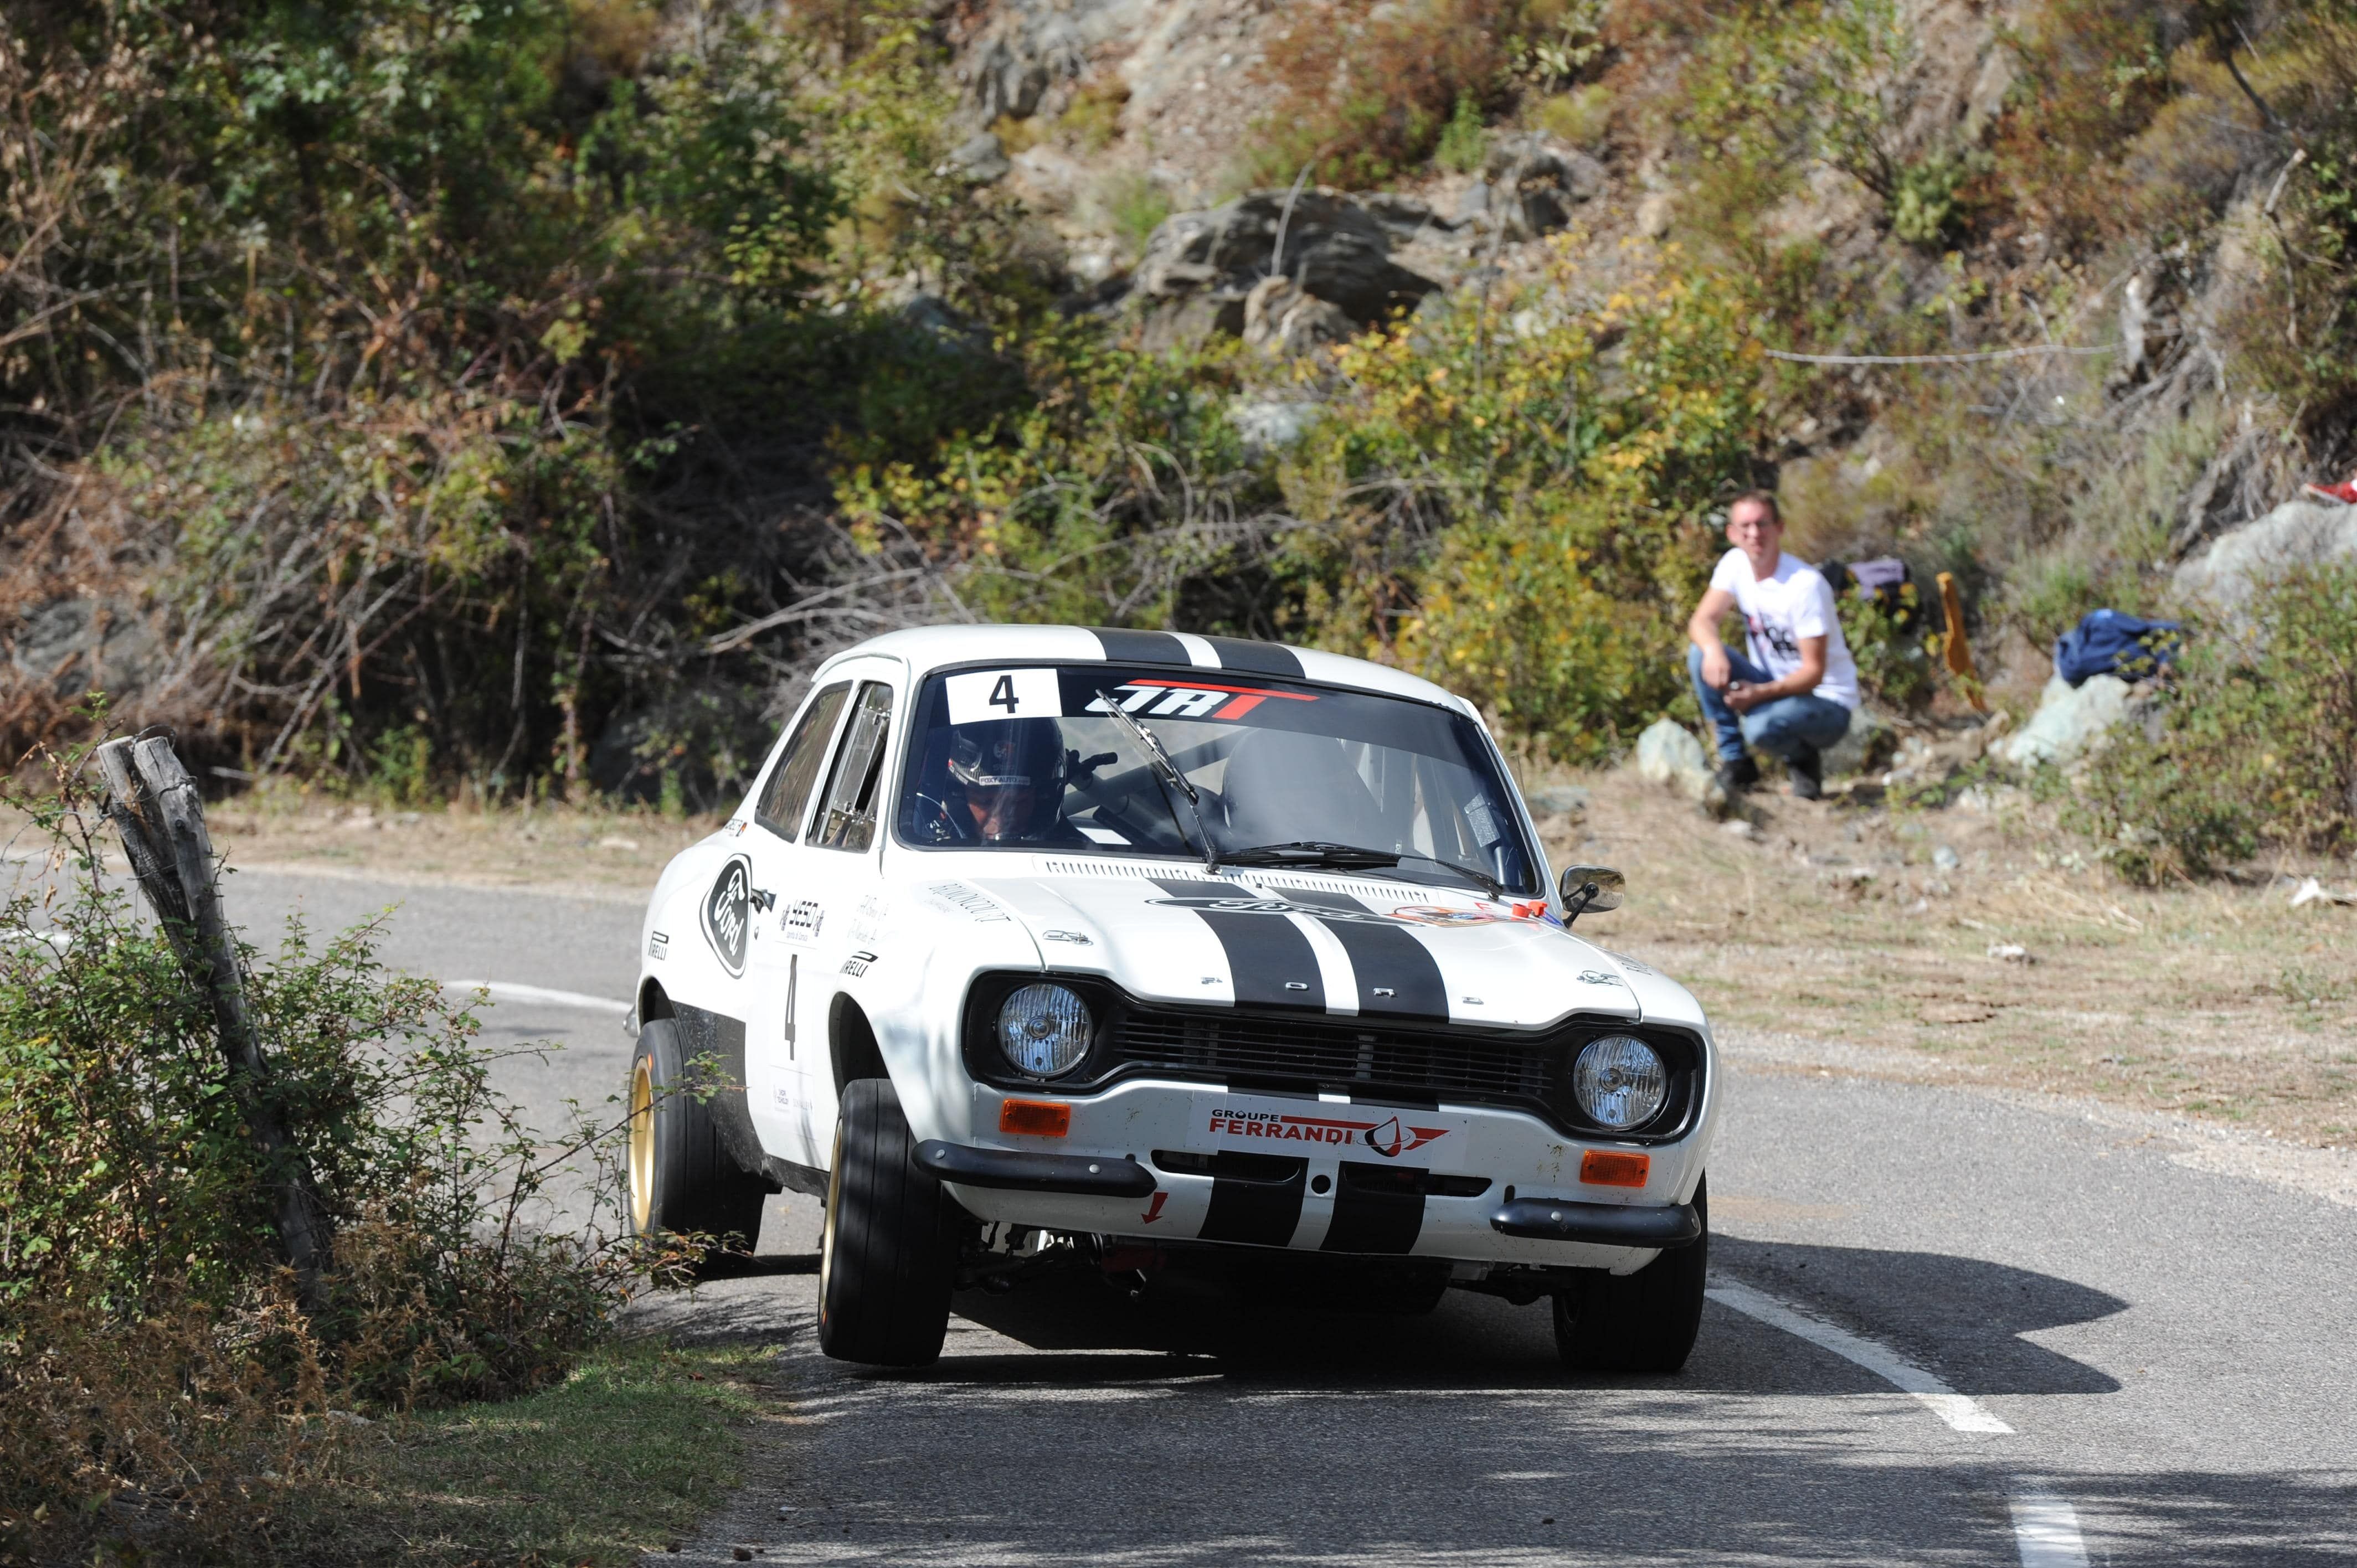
(2174, 1353)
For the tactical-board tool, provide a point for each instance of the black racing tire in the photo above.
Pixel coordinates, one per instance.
(681, 1177)
(887, 1257)
(1644, 1322)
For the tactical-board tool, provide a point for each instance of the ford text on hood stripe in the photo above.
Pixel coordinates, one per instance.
(1401, 950)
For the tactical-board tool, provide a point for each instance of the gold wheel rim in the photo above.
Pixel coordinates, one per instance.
(642, 1147)
(826, 1228)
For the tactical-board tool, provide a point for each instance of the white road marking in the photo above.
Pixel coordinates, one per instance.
(2046, 1531)
(1958, 1410)
(504, 990)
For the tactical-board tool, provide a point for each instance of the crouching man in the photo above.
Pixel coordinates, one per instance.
(1793, 696)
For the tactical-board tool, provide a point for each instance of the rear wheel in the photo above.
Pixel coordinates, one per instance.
(1644, 1322)
(682, 1179)
(887, 1257)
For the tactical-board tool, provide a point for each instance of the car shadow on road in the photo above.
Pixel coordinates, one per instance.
(1964, 1318)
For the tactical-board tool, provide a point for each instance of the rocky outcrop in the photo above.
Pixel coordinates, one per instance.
(1200, 270)
(2295, 534)
(1034, 46)
(1532, 185)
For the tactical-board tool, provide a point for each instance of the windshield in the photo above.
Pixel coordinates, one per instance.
(1032, 758)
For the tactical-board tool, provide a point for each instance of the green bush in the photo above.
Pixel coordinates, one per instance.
(2253, 747)
(1464, 141)
(152, 1344)
(1892, 663)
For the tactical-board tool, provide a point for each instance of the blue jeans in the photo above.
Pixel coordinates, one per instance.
(1784, 728)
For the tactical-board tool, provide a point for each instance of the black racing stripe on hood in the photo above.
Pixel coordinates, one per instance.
(1270, 962)
(1377, 1208)
(1256, 1213)
(1201, 888)
(1384, 957)
(1259, 658)
(1125, 647)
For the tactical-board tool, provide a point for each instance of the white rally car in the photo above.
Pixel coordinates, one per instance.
(1139, 949)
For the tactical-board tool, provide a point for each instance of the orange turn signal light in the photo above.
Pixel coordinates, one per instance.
(1038, 1118)
(1601, 1167)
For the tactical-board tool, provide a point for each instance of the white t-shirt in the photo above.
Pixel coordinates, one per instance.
(1779, 611)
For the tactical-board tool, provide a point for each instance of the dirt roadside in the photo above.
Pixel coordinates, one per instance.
(1840, 936)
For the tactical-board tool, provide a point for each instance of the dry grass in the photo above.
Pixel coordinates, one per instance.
(2219, 1001)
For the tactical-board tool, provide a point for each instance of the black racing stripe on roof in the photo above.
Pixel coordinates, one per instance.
(1259, 658)
(1123, 646)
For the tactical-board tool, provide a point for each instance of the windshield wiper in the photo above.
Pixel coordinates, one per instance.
(1351, 857)
(1497, 889)
(1311, 852)
(1168, 771)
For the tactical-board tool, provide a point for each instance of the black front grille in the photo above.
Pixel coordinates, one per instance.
(1338, 1055)
(1368, 1059)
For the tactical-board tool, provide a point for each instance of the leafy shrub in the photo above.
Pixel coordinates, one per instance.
(156, 1367)
(1887, 646)
(1927, 208)
(1580, 117)
(1136, 204)
(1464, 141)
(2253, 745)
(1094, 117)
(451, 325)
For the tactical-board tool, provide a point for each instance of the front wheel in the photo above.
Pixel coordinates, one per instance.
(887, 1257)
(682, 1179)
(1644, 1322)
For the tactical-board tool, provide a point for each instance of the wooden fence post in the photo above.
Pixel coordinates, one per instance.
(155, 806)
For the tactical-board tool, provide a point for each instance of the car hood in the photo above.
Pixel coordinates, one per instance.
(1323, 944)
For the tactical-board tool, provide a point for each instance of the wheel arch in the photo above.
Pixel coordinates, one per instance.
(851, 1044)
(652, 1001)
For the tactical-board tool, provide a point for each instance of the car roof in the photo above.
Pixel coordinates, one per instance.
(924, 648)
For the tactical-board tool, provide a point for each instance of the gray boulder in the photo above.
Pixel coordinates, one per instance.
(2071, 723)
(1547, 179)
(1669, 755)
(1198, 268)
(2296, 534)
(1864, 749)
(1284, 318)
(980, 158)
(1557, 798)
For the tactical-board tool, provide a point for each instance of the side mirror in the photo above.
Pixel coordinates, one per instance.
(1589, 890)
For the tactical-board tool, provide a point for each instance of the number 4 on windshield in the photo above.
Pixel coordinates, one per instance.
(980, 695)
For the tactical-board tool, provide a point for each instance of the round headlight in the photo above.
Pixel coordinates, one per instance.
(1044, 1030)
(1619, 1080)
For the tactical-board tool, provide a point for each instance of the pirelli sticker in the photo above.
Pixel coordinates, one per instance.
(1248, 1123)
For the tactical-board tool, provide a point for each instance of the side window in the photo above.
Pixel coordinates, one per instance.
(848, 820)
(780, 808)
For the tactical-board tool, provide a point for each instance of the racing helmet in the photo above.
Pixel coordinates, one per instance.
(1011, 754)
(1007, 754)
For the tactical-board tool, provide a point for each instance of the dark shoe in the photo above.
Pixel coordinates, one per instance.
(1808, 771)
(1738, 775)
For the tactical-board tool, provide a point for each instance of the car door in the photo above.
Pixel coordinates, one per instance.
(841, 848)
(785, 920)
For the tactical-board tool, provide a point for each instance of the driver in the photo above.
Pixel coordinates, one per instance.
(1009, 782)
